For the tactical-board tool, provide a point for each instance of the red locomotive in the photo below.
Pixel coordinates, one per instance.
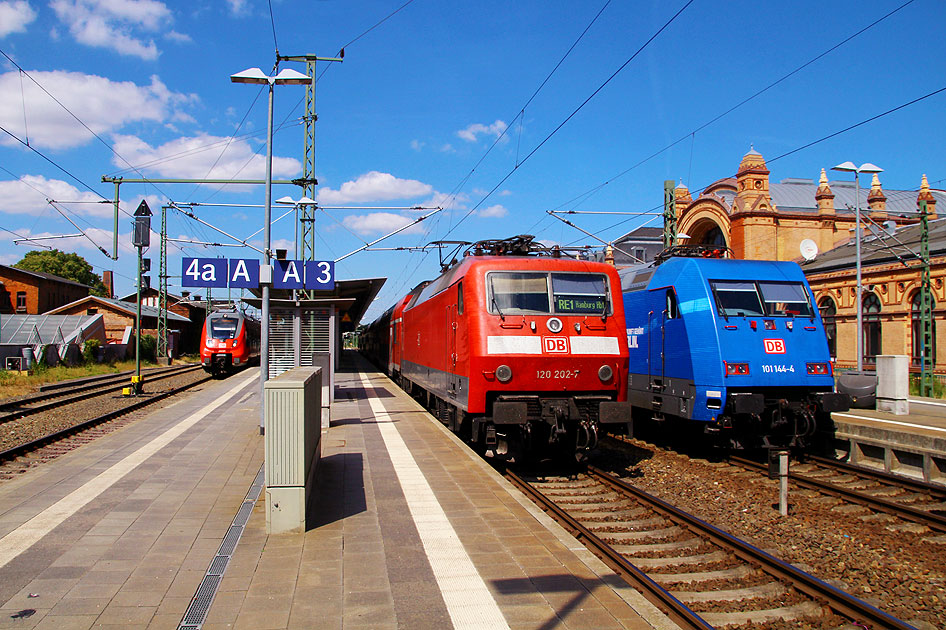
(230, 340)
(517, 347)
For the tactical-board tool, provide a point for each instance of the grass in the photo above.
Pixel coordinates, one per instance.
(939, 386)
(16, 384)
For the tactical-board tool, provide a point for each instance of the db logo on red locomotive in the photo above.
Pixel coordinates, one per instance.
(555, 345)
(774, 346)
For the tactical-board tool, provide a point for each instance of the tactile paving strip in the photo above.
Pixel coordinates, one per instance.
(197, 610)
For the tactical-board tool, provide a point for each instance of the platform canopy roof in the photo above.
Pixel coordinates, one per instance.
(351, 299)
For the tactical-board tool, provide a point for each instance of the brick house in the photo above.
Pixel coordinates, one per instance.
(120, 316)
(25, 292)
(192, 308)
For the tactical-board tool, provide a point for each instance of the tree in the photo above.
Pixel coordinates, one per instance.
(69, 266)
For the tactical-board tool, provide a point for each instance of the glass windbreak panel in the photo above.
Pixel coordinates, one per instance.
(785, 298)
(737, 299)
(223, 327)
(579, 293)
(518, 292)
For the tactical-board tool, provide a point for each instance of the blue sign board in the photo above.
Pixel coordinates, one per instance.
(243, 273)
(320, 274)
(288, 274)
(204, 272)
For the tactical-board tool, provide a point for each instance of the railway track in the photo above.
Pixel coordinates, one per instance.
(52, 398)
(907, 499)
(701, 576)
(134, 404)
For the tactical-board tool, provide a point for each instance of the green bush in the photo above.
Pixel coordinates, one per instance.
(90, 350)
(149, 348)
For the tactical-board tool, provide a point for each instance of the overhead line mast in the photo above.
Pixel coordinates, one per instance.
(308, 181)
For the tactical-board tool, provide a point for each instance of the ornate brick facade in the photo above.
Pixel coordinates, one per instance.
(760, 220)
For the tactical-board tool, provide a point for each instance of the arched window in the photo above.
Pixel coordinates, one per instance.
(714, 236)
(917, 328)
(872, 338)
(829, 312)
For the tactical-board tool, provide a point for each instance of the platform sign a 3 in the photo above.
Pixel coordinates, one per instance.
(204, 272)
(320, 275)
(288, 274)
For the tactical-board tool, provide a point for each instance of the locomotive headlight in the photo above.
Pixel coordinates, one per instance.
(819, 369)
(554, 325)
(504, 373)
(605, 373)
(736, 369)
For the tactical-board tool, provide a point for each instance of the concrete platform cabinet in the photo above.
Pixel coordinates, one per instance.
(893, 384)
(293, 444)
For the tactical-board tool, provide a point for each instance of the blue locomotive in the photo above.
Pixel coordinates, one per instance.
(735, 348)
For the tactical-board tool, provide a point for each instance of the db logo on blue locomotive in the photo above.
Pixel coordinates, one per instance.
(774, 346)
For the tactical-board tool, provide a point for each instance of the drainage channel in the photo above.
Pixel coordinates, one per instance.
(197, 611)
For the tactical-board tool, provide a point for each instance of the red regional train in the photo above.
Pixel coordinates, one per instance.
(517, 348)
(229, 341)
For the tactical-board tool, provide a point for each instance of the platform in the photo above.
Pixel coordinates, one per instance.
(913, 445)
(409, 529)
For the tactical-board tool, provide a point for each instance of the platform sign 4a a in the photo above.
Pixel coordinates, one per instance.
(236, 273)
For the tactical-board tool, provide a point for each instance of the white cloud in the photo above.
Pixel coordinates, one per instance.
(493, 212)
(103, 105)
(447, 202)
(178, 38)
(417, 145)
(114, 24)
(201, 154)
(470, 133)
(381, 223)
(238, 7)
(14, 16)
(374, 186)
(28, 195)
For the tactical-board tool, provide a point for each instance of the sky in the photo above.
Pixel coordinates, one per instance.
(497, 112)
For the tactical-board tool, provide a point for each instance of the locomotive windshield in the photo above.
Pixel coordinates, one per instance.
(223, 327)
(761, 299)
(562, 293)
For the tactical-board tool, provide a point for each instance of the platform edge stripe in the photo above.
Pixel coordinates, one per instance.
(470, 606)
(885, 421)
(32, 531)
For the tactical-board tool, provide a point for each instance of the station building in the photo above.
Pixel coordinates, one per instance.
(761, 220)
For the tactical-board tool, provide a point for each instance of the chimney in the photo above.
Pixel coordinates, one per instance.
(109, 282)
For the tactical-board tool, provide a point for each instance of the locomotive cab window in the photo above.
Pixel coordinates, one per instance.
(560, 293)
(736, 299)
(223, 327)
(786, 298)
(672, 312)
(757, 299)
(579, 293)
(517, 292)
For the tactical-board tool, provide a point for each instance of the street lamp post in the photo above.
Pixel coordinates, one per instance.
(288, 77)
(304, 201)
(867, 167)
